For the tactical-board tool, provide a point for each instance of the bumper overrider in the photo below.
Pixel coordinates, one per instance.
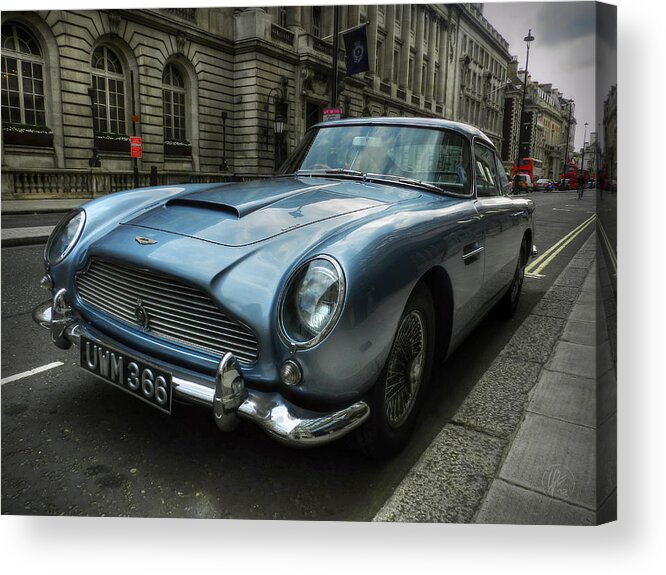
(230, 399)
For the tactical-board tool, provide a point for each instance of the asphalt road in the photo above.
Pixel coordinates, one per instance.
(73, 445)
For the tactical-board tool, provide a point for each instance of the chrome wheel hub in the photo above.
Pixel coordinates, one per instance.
(404, 373)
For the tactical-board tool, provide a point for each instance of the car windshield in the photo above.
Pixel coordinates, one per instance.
(435, 158)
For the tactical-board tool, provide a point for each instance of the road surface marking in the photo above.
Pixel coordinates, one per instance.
(608, 245)
(561, 210)
(537, 266)
(31, 372)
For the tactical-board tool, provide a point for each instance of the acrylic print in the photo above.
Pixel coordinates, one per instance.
(323, 263)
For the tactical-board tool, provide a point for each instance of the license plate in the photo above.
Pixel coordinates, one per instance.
(143, 380)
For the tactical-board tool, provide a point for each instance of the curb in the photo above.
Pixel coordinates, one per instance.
(13, 237)
(452, 480)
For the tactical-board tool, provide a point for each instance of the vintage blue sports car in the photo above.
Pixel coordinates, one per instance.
(311, 304)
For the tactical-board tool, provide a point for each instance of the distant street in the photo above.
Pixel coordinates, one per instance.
(73, 445)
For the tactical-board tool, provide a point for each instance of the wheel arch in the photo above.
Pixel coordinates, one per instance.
(439, 284)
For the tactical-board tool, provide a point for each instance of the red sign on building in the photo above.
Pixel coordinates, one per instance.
(136, 148)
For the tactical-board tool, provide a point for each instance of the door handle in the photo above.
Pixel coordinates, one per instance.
(471, 252)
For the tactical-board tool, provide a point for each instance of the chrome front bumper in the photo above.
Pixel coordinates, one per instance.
(230, 398)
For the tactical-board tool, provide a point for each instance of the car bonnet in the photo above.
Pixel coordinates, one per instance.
(247, 213)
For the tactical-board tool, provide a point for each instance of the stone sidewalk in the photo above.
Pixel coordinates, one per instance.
(535, 441)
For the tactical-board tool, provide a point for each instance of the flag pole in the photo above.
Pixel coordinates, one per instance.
(334, 75)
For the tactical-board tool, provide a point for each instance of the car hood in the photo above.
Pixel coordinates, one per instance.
(246, 213)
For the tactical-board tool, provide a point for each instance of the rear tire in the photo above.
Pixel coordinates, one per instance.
(396, 396)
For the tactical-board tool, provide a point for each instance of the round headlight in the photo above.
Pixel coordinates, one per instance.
(312, 302)
(64, 237)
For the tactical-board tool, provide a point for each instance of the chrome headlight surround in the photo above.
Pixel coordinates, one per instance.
(64, 237)
(311, 302)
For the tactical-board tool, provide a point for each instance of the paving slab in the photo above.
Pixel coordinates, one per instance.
(575, 359)
(497, 402)
(572, 277)
(554, 458)
(566, 397)
(582, 332)
(511, 504)
(535, 339)
(449, 481)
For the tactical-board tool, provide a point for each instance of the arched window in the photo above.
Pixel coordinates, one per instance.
(108, 84)
(22, 77)
(173, 98)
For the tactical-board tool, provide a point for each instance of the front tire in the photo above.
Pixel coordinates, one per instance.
(396, 396)
(509, 303)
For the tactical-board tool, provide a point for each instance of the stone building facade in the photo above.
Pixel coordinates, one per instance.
(223, 93)
(549, 120)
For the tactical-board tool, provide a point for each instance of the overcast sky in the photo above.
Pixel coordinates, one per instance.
(569, 39)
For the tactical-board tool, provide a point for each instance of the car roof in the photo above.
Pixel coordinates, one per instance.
(464, 129)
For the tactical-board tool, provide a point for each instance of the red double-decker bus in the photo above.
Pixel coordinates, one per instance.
(530, 166)
(569, 178)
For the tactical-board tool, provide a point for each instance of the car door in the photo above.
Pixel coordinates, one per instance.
(499, 221)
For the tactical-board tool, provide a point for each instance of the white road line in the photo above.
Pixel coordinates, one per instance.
(31, 372)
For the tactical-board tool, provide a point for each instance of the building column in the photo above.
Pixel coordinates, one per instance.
(406, 37)
(443, 51)
(353, 15)
(306, 18)
(294, 17)
(372, 38)
(418, 63)
(389, 45)
(430, 82)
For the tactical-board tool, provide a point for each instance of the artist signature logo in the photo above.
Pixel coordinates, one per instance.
(558, 481)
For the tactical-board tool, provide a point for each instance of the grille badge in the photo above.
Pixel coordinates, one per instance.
(140, 314)
(144, 241)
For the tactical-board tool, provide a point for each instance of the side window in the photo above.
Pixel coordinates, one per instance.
(505, 184)
(487, 184)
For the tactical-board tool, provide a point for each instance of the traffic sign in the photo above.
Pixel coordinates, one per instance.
(332, 114)
(136, 148)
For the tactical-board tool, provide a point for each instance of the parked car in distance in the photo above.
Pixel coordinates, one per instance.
(312, 304)
(544, 184)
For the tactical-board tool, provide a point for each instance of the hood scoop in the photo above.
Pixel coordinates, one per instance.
(208, 205)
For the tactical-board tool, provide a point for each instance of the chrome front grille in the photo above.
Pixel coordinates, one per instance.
(174, 310)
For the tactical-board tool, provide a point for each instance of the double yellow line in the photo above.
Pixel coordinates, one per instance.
(609, 247)
(535, 268)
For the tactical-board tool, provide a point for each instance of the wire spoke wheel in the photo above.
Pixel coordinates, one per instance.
(405, 368)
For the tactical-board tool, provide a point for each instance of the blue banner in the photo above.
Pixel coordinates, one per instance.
(356, 44)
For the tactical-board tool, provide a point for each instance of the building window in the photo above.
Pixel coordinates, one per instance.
(396, 65)
(108, 85)
(424, 77)
(173, 101)
(379, 57)
(22, 78)
(282, 16)
(316, 21)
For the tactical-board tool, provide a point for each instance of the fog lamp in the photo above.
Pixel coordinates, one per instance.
(290, 373)
(46, 283)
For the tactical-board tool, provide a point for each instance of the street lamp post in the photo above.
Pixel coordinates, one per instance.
(582, 160)
(529, 38)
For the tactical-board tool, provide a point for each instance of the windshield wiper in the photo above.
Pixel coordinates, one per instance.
(330, 171)
(405, 180)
